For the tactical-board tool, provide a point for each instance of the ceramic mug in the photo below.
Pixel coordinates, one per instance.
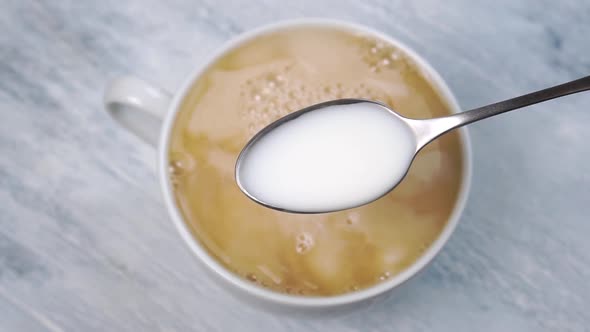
(150, 112)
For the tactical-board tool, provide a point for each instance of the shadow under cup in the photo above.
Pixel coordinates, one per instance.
(262, 76)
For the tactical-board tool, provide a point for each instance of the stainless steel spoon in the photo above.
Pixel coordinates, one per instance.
(425, 131)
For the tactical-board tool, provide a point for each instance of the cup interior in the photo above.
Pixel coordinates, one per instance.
(258, 292)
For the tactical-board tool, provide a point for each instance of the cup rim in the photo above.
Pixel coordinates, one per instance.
(291, 300)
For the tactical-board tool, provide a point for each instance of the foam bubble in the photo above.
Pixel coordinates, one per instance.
(379, 56)
(304, 242)
(180, 164)
(384, 276)
(353, 218)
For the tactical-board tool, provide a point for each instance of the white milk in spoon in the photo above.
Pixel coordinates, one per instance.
(329, 159)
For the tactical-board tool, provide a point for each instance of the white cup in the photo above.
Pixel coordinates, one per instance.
(150, 112)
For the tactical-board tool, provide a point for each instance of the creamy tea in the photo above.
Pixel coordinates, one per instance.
(310, 255)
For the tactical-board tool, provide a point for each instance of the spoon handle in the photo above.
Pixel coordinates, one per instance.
(427, 130)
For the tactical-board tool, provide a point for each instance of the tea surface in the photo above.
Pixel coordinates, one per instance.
(312, 255)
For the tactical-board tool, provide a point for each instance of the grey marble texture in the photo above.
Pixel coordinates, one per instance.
(85, 242)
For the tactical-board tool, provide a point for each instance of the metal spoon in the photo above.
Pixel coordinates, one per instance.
(425, 131)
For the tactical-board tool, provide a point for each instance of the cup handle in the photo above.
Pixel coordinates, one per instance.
(137, 106)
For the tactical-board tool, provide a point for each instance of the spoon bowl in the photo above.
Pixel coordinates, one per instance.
(333, 140)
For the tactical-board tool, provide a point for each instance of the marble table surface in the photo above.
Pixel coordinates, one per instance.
(85, 242)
